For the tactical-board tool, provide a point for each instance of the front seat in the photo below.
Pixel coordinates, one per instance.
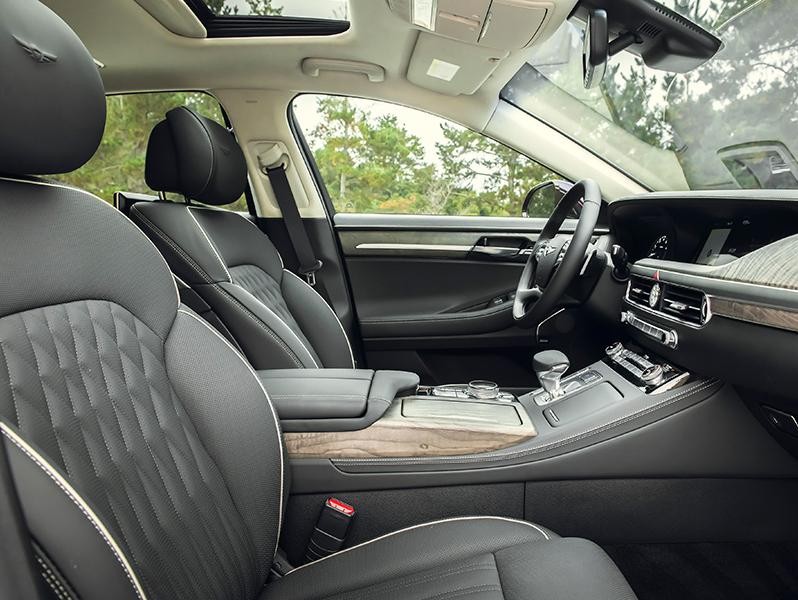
(146, 456)
(277, 319)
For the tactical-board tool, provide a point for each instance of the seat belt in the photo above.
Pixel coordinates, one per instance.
(297, 234)
(18, 578)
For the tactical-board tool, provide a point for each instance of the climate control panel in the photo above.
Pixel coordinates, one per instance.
(652, 375)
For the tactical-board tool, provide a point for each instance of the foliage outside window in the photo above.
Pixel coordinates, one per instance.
(376, 157)
(730, 123)
(320, 9)
(118, 164)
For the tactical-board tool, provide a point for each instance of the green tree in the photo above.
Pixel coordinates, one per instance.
(630, 96)
(373, 164)
(486, 177)
(255, 7)
(370, 164)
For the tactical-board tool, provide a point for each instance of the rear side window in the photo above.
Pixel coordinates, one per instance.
(118, 164)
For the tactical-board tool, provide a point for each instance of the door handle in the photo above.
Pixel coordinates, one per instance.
(501, 248)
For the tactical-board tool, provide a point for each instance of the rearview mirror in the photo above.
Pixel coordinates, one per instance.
(541, 199)
(595, 48)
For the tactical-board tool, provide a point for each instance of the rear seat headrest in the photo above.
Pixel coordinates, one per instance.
(51, 95)
(194, 156)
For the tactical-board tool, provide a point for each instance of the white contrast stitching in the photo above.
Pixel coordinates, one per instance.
(58, 589)
(288, 327)
(268, 402)
(101, 201)
(280, 342)
(211, 244)
(79, 502)
(431, 523)
(171, 243)
(335, 316)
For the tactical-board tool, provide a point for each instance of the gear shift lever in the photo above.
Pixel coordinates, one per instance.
(550, 366)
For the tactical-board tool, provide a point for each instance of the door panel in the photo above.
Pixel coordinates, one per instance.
(433, 295)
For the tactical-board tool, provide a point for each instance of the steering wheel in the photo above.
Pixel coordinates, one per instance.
(555, 261)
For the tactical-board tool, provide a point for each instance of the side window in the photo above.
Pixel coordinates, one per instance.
(118, 164)
(377, 157)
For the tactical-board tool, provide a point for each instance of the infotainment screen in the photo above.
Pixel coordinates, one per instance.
(713, 247)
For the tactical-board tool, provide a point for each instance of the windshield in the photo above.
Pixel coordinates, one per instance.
(731, 123)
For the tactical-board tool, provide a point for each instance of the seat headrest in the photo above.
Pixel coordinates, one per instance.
(51, 96)
(194, 156)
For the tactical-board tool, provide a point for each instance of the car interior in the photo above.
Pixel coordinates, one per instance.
(411, 299)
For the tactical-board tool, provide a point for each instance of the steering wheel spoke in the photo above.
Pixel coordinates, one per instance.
(526, 295)
(555, 260)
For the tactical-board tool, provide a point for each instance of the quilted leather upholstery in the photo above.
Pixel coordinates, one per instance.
(275, 318)
(86, 383)
(266, 289)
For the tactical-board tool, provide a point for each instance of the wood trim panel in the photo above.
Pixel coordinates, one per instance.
(772, 265)
(397, 436)
(759, 314)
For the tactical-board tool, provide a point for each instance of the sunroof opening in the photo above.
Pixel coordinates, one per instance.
(264, 18)
(337, 10)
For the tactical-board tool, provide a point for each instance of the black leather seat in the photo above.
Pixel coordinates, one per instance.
(277, 319)
(146, 455)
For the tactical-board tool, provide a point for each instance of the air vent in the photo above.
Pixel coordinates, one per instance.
(677, 18)
(684, 303)
(640, 290)
(649, 30)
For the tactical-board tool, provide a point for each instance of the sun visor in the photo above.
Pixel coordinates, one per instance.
(451, 67)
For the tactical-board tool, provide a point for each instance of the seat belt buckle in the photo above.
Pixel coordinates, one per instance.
(310, 274)
(331, 529)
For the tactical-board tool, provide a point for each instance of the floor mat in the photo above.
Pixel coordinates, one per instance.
(766, 570)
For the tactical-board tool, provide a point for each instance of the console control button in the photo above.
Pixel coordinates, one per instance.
(614, 349)
(482, 389)
(652, 375)
(591, 376)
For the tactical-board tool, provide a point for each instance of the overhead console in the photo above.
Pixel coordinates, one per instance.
(499, 24)
(461, 42)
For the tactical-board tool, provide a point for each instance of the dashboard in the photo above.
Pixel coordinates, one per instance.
(706, 232)
(714, 285)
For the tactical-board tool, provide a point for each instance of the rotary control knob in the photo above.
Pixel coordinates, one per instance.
(614, 349)
(652, 374)
(484, 390)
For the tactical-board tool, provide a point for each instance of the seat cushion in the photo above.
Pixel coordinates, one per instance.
(477, 557)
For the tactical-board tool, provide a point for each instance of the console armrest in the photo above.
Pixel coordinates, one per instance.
(333, 399)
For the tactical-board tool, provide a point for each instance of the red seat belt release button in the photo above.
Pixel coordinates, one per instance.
(331, 529)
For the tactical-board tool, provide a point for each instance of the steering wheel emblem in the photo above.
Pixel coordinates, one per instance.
(544, 250)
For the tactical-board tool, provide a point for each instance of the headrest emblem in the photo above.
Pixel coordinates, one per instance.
(36, 53)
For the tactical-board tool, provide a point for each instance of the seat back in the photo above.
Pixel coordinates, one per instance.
(276, 318)
(138, 476)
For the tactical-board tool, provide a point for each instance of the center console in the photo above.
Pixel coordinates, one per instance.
(329, 413)
(349, 415)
